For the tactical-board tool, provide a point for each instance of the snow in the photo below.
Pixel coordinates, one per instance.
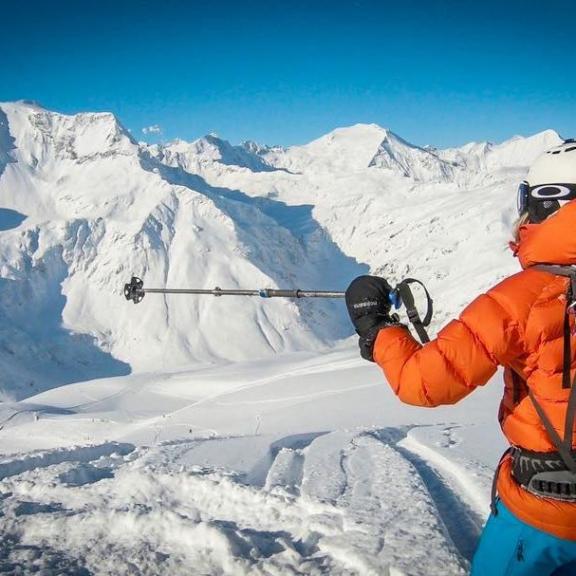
(94, 220)
(305, 464)
(235, 435)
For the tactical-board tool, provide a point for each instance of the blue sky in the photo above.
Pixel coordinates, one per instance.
(285, 72)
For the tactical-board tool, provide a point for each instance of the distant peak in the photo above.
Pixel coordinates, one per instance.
(31, 104)
(35, 106)
(549, 133)
(393, 137)
(176, 143)
(547, 137)
(213, 138)
(254, 147)
(360, 129)
(23, 105)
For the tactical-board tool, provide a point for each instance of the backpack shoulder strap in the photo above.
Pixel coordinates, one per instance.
(563, 445)
(567, 272)
(556, 269)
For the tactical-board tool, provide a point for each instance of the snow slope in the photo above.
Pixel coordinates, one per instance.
(297, 465)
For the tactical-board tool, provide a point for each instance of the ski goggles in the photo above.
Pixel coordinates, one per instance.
(528, 195)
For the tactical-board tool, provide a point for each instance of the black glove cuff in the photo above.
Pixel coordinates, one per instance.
(366, 342)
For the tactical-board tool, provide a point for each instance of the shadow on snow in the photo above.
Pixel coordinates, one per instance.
(36, 352)
(330, 268)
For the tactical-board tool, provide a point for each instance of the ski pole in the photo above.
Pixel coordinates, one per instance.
(135, 291)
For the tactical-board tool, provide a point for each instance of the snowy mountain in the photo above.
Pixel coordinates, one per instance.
(514, 153)
(209, 150)
(410, 161)
(84, 206)
(404, 209)
(99, 208)
(356, 148)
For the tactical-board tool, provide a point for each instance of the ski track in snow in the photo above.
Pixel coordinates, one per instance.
(43, 459)
(342, 502)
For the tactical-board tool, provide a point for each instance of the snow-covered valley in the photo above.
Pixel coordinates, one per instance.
(207, 435)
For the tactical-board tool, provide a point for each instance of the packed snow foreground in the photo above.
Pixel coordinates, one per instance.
(234, 436)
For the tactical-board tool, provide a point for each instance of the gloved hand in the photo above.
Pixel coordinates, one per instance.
(368, 303)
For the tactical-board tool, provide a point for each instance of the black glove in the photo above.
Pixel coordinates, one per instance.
(368, 303)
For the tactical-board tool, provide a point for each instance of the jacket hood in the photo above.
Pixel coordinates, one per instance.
(550, 242)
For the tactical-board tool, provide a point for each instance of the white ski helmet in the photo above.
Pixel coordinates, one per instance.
(551, 182)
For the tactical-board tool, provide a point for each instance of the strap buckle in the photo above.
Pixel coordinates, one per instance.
(405, 294)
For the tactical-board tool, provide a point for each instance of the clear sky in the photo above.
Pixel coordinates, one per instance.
(285, 72)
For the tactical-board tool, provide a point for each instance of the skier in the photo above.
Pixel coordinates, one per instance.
(525, 324)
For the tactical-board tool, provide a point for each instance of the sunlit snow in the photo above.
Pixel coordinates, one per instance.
(208, 435)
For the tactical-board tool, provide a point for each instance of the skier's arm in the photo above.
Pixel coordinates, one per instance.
(464, 355)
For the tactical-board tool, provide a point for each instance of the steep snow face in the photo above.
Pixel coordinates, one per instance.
(410, 161)
(95, 209)
(6, 142)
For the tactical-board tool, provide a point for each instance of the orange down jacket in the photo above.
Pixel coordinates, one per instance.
(517, 324)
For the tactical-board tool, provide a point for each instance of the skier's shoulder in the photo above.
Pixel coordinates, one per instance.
(518, 292)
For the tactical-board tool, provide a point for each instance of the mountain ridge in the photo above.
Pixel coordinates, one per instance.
(385, 150)
(83, 207)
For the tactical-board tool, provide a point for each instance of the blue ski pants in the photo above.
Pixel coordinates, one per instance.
(509, 547)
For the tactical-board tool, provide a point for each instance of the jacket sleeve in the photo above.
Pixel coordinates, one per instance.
(464, 355)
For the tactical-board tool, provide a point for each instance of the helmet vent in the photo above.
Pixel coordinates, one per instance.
(570, 149)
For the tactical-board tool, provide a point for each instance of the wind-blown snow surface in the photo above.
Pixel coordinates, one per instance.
(296, 465)
(200, 462)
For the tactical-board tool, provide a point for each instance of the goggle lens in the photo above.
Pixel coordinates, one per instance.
(522, 199)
